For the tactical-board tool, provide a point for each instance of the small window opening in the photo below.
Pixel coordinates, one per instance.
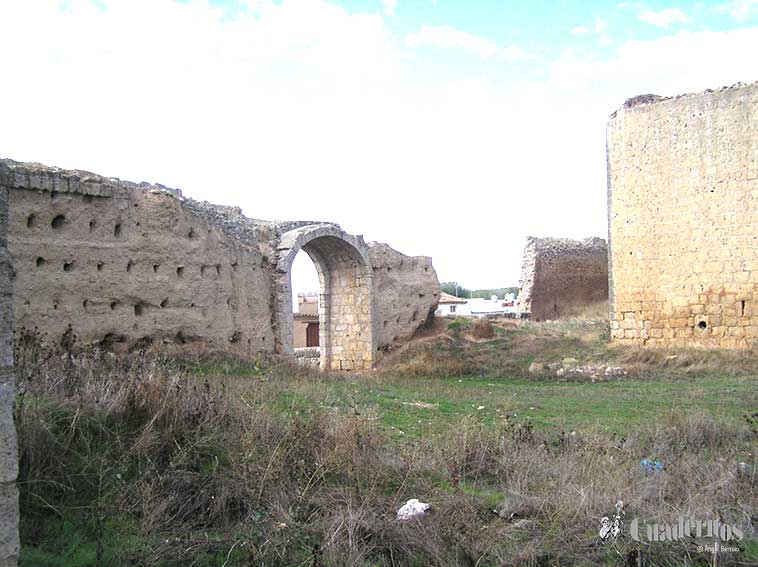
(58, 222)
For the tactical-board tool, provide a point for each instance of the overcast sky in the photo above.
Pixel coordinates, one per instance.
(447, 128)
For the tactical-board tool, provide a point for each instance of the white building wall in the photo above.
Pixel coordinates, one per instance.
(453, 310)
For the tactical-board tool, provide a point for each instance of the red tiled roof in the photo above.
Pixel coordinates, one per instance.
(447, 298)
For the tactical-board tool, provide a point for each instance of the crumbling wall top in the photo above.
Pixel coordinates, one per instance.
(557, 247)
(641, 101)
(36, 176)
(22, 175)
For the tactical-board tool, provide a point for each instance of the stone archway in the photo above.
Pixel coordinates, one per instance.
(346, 320)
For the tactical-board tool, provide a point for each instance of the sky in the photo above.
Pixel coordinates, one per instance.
(445, 128)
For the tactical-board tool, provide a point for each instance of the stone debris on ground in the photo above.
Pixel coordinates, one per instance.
(570, 368)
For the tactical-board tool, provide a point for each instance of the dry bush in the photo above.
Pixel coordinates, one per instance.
(428, 361)
(482, 329)
(137, 437)
(597, 310)
(687, 360)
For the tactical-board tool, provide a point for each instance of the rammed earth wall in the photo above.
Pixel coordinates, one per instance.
(683, 211)
(123, 264)
(9, 541)
(562, 277)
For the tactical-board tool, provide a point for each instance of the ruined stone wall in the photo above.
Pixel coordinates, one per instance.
(683, 211)
(406, 292)
(562, 277)
(121, 263)
(9, 540)
(124, 264)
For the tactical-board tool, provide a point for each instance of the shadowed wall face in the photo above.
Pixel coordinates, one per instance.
(561, 277)
(9, 540)
(683, 207)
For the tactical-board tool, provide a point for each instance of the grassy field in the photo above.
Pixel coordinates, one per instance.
(211, 459)
(422, 406)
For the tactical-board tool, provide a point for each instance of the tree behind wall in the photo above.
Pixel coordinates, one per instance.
(458, 290)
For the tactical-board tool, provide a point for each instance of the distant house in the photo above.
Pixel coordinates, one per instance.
(305, 327)
(491, 307)
(451, 306)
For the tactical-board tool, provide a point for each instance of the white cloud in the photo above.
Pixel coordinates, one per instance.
(664, 18)
(302, 110)
(389, 7)
(448, 37)
(740, 10)
(675, 64)
(599, 28)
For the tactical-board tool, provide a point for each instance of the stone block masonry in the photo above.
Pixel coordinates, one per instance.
(682, 218)
(122, 264)
(561, 277)
(9, 540)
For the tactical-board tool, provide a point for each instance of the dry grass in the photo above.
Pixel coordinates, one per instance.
(155, 466)
(482, 329)
(592, 312)
(506, 348)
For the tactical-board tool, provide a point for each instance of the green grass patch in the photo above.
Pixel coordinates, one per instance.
(422, 406)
